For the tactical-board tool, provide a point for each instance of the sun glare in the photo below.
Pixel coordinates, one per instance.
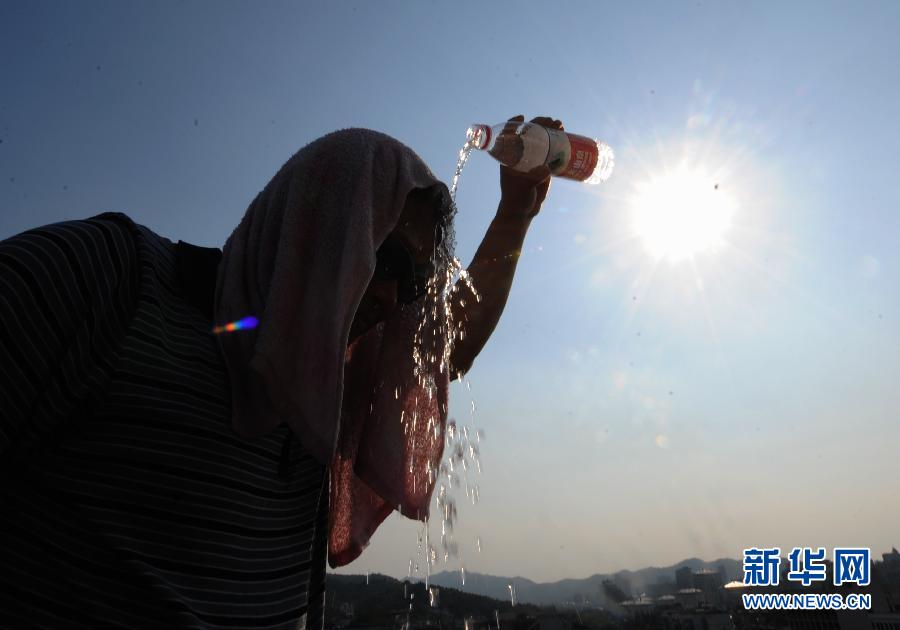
(681, 214)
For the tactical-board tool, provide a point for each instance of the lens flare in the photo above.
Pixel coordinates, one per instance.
(241, 324)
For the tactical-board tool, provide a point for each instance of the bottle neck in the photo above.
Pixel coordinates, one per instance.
(480, 136)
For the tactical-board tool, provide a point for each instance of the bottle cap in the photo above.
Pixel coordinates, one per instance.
(479, 136)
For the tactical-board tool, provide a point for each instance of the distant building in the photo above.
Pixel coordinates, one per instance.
(666, 602)
(885, 622)
(709, 582)
(887, 574)
(553, 622)
(890, 566)
(732, 594)
(684, 577)
(700, 619)
(643, 606)
(689, 598)
(661, 589)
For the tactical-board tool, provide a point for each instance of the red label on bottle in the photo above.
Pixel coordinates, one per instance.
(583, 159)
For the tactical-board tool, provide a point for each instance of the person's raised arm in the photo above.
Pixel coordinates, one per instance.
(494, 265)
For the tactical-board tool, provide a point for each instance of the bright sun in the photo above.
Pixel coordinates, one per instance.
(682, 214)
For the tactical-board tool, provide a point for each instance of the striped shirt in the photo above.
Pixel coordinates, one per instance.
(126, 499)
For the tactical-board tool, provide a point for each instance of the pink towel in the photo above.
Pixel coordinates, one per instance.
(300, 260)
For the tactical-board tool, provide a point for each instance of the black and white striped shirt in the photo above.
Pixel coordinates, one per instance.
(126, 499)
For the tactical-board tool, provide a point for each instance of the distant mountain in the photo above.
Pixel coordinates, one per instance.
(633, 583)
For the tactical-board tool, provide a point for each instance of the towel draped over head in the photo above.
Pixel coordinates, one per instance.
(300, 261)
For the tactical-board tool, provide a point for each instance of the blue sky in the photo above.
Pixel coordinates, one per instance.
(636, 412)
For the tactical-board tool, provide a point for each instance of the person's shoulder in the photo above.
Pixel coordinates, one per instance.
(119, 219)
(130, 229)
(107, 229)
(77, 264)
(117, 232)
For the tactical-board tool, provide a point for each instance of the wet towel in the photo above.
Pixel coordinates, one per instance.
(300, 260)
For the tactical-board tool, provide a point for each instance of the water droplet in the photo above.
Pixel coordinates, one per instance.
(433, 597)
(478, 544)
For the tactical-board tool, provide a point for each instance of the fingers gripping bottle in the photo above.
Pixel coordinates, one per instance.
(522, 146)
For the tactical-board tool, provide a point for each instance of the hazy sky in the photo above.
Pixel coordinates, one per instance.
(636, 411)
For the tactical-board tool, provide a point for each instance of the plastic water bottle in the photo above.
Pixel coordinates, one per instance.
(524, 146)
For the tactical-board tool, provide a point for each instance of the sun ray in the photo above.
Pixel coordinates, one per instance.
(713, 329)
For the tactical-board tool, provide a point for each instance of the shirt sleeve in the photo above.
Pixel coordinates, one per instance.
(67, 293)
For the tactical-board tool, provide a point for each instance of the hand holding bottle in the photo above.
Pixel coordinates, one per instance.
(522, 193)
(524, 145)
(526, 166)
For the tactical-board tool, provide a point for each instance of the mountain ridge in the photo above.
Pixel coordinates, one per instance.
(631, 582)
